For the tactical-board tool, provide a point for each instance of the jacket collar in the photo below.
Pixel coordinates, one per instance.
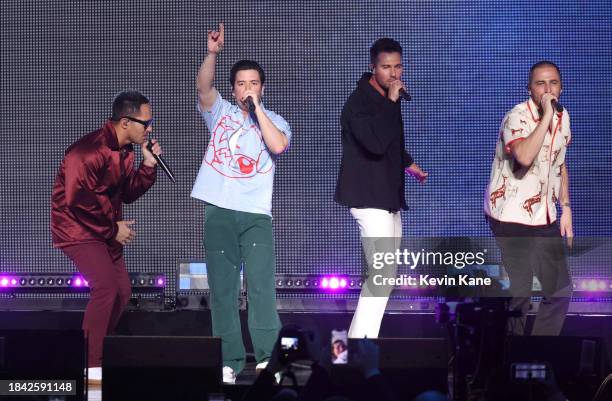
(365, 85)
(110, 136)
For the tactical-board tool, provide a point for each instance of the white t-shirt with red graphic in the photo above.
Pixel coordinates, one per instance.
(527, 195)
(237, 172)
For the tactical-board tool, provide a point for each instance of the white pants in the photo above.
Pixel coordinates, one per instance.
(373, 223)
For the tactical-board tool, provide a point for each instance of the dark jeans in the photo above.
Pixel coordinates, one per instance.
(535, 250)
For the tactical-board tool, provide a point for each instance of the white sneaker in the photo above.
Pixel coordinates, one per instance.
(229, 376)
(262, 365)
(94, 375)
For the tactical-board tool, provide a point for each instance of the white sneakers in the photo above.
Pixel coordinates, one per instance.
(262, 365)
(229, 376)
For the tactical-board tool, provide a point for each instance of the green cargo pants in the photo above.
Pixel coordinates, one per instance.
(232, 237)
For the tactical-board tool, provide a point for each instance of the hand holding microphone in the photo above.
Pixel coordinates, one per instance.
(250, 104)
(557, 106)
(249, 99)
(549, 98)
(153, 147)
(397, 90)
(405, 95)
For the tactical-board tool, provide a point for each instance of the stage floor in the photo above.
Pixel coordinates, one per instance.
(198, 323)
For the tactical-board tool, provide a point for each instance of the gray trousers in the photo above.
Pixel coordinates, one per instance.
(527, 251)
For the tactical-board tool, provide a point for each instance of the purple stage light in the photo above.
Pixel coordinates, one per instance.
(334, 283)
(77, 282)
(4, 281)
(160, 281)
(13, 281)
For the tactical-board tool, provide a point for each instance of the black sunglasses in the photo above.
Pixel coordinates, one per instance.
(146, 124)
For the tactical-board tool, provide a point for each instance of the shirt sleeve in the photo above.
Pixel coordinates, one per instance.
(282, 125)
(218, 109)
(514, 129)
(88, 204)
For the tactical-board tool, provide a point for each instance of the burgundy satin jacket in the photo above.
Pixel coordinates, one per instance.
(93, 181)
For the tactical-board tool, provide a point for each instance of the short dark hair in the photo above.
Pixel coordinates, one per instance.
(384, 45)
(246, 65)
(127, 103)
(542, 63)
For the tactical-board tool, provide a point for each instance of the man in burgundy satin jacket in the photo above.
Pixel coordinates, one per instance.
(95, 178)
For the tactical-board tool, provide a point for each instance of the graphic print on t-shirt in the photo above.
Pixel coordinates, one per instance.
(250, 157)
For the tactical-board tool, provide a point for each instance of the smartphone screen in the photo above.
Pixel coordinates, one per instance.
(290, 344)
(529, 371)
(339, 347)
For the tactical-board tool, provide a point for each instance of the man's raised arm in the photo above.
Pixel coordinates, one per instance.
(207, 93)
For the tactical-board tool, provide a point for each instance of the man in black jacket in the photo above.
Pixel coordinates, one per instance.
(371, 178)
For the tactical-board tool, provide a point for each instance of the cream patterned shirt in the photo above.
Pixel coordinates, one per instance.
(527, 195)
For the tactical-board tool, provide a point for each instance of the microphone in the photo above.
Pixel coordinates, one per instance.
(557, 106)
(161, 162)
(250, 104)
(405, 95)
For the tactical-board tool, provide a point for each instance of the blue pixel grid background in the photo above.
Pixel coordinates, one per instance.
(466, 65)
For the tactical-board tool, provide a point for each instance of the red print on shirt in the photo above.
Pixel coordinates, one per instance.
(532, 201)
(499, 192)
(243, 163)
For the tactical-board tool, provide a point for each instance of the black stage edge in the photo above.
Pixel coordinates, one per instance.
(198, 323)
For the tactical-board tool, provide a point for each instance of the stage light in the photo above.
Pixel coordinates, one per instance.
(58, 282)
(592, 285)
(331, 282)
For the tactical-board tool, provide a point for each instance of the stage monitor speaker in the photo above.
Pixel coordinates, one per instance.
(160, 368)
(44, 355)
(579, 364)
(410, 366)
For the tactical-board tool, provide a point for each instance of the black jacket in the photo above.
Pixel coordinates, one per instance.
(373, 156)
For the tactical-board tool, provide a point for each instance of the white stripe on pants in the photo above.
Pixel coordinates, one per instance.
(373, 223)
